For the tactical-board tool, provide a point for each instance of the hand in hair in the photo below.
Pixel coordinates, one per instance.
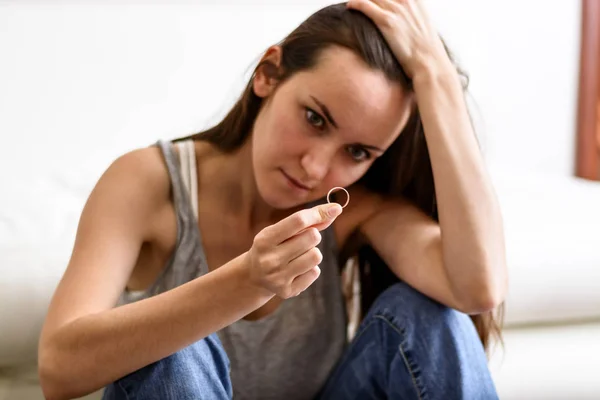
(408, 31)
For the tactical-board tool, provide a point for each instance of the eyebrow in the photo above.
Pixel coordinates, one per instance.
(327, 114)
(368, 146)
(325, 111)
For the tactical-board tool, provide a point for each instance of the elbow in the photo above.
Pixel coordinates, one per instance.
(49, 376)
(482, 304)
(55, 382)
(488, 291)
(484, 298)
(52, 392)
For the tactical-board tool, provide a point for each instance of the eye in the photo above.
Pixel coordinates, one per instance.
(314, 119)
(358, 153)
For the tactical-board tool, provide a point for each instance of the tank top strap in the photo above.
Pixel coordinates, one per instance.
(180, 195)
(188, 232)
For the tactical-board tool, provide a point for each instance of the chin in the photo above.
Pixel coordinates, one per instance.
(273, 191)
(278, 199)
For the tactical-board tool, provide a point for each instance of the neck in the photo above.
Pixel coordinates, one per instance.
(227, 185)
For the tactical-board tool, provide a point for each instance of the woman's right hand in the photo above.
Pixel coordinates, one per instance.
(284, 257)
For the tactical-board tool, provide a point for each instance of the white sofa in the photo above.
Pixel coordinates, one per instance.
(552, 326)
(81, 85)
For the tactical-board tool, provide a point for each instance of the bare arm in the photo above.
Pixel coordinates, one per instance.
(92, 351)
(85, 342)
(463, 260)
(460, 262)
(472, 234)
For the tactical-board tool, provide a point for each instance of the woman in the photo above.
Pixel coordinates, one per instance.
(224, 256)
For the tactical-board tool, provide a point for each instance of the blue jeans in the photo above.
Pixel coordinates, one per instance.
(407, 347)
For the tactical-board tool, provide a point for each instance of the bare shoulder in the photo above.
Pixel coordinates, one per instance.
(113, 225)
(125, 201)
(144, 167)
(139, 176)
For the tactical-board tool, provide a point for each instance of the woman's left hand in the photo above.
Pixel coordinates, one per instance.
(408, 31)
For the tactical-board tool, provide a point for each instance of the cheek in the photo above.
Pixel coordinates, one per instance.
(345, 173)
(285, 132)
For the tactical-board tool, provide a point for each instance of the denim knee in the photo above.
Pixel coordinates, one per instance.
(438, 347)
(200, 370)
(410, 346)
(415, 313)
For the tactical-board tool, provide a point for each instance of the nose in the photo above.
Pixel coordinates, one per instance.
(316, 163)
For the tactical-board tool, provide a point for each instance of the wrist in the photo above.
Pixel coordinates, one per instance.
(436, 74)
(241, 268)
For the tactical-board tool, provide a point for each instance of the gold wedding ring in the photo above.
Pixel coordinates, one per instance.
(340, 188)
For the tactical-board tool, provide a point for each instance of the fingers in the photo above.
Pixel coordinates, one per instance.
(284, 257)
(388, 5)
(299, 256)
(299, 244)
(302, 282)
(384, 12)
(376, 10)
(319, 216)
(299, 266)
(324, 225)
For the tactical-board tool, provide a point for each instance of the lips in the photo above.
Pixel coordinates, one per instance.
(295, 182)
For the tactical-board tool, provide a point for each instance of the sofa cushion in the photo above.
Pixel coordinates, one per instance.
(22, 383)
(552, 230)
(551, 362)
(38, 221)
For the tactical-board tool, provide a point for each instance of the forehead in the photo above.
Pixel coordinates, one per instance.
(366, 106)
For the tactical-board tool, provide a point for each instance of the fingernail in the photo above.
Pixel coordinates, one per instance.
(334, 210)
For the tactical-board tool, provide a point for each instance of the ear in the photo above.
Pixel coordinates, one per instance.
(266, 76)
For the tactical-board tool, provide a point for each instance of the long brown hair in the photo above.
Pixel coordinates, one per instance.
(405, 168)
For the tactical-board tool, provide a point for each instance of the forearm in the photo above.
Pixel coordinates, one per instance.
(469, 214)
(95, 350)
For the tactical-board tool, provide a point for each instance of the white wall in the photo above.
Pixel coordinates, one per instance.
(90, 81)
(81, 83)
(70, 73)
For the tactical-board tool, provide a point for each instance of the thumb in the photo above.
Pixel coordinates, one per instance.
(328, 212)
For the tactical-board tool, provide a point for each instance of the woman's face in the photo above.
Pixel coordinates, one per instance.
(323, 128)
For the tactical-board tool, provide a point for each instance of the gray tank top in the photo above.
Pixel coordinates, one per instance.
(288, 354)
